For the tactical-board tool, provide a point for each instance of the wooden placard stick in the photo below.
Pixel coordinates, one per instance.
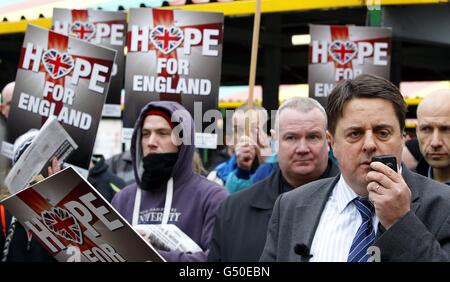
(253, 64)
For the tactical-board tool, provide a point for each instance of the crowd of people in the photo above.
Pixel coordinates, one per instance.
(308, 191)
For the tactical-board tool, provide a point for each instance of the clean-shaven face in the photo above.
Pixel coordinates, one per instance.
(303, 148)
(368, 127)
(156, 136)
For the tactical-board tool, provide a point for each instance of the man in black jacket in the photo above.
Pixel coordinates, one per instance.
(241, 225)
(102, 179)
(433, 133)
(122, 166)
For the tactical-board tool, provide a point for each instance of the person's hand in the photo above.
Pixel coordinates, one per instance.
(245, 153)
(264, 150)
(142, 233)
(54, 168)
(389, 194)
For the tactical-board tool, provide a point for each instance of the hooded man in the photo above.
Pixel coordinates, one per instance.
(166, 189)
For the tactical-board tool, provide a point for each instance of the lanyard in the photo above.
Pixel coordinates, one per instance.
(167, 204)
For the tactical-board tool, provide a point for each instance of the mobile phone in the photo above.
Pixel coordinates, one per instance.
(388, 160)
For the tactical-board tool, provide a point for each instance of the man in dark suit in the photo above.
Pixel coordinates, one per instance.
(241, 225)
(369, 212)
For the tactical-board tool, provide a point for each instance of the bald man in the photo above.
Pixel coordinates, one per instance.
(7, 94)
(5, 102)
(433, 133)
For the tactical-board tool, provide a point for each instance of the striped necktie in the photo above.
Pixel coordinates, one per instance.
(365, 236)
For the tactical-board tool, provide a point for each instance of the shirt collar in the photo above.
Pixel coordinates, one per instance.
(343, 194)
(430, 175)
(430, 172)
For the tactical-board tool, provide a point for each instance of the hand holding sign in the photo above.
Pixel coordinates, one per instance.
(245, 153)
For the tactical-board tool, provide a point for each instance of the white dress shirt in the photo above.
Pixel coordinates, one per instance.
(338, 225)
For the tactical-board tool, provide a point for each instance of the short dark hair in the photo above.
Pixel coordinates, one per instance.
(364, 86)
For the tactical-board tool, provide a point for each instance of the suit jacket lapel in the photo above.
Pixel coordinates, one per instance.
(409, 179)
(308, 212)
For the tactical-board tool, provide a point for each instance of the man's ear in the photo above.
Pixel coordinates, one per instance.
(404, 139)
(273, 135)
(330, 139)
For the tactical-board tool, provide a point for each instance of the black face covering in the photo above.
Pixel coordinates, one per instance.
(157, 170)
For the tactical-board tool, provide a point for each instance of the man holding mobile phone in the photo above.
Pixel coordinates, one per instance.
(369, 205)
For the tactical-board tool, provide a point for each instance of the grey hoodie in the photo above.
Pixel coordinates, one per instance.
(195, 199)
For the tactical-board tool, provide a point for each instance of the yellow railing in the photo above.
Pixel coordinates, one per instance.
(244, 7)
(21, 26)
(413, 101)
(272, 6)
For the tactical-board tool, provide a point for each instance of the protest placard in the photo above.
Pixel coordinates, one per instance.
(344, 52)
(64, 77)
(75, 223)
(172, 55)
(106, 28)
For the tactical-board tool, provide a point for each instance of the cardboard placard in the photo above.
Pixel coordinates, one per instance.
(75, 223)
(64, 77)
